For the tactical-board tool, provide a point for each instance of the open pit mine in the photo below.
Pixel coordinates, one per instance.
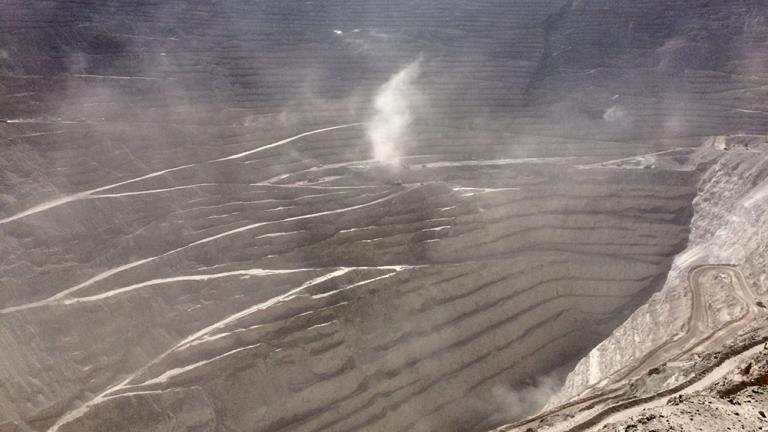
(370, 215)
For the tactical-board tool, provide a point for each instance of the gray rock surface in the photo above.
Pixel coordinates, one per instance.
(194, 235)
(736, 402)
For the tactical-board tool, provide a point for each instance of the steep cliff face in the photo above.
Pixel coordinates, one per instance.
(728, 227)
(196, 236)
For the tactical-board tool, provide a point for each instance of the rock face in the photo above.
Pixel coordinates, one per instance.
(195, 236)
(736, 401)
(728, 227)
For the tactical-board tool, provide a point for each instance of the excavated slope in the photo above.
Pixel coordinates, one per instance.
(194, 236)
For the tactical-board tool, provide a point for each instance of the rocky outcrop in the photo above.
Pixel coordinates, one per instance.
(736, 400)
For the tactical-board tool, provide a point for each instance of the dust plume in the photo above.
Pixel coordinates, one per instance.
(394, 104)
(517, 403)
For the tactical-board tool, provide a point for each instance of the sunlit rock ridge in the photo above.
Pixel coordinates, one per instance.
(354, 215)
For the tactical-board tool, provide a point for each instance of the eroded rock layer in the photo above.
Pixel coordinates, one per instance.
(195, 236)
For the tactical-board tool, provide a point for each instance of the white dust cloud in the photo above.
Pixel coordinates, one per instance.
(388, 130)
(518, 403)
